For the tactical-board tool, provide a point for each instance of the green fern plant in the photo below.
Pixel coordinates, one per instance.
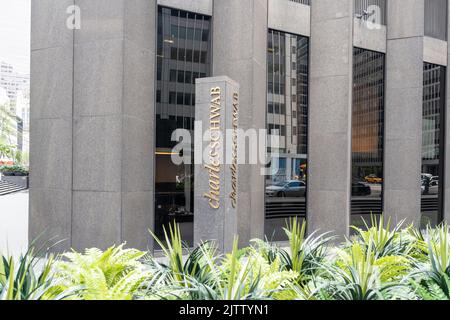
(115, 274)
(429, 290)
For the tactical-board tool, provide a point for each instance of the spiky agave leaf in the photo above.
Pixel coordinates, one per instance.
(19, 279)
(384, 240)
(184, 266)
(306, 253)
(435, 272)
(357, 274)
(235, 276)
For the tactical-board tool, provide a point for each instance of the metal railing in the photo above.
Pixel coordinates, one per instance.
(371, 10)
(307, 2)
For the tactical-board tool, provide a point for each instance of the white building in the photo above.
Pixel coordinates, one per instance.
(22, 109)
(12, 81)
(3, 96)
(15, 93)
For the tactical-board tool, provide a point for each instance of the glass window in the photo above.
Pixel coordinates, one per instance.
(188, 77)
(287, 117)
(172, 97)
(187, 99)
(205, 35)
(158, 96)
(173, 53)
(196, 56)
(180, 98)
(432, 143)
(173, 76)
(436, 19)
(176, 96)
(181, 76)
(367, 135)
(189, 55)
(277, 108)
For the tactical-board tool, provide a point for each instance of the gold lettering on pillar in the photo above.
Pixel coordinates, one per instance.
(213, 195)
(234, 151)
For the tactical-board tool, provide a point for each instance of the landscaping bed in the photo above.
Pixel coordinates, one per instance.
(378, 263)
(15, 174)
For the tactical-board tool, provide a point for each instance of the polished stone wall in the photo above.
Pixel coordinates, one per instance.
(240, 52)
(51, 122)
(92, 123)
(329, 158)
(403, 111)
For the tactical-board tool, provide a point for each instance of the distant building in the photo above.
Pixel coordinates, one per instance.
(15, 94)
(12, 81)
(23, 120)
(8, 121)
(3, 97)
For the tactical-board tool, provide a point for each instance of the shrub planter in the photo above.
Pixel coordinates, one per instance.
(21, 181)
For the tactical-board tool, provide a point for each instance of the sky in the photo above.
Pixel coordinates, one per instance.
(15, 33)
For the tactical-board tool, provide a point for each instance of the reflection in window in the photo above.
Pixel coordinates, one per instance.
(367, 135)
(436, 19)
(287, 117)
(432, 142)
(183, 56)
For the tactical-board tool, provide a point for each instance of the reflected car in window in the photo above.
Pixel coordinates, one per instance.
(292, 188)
(361, 189)
(430, 187)
(373, 179)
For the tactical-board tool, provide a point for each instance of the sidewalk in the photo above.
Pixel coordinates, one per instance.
(14, 223)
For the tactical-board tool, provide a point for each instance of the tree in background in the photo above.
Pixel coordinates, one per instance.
(7, 134)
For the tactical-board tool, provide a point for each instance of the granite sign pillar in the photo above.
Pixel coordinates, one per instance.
(216, 161)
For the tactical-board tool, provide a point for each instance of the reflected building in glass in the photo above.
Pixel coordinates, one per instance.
(432, 142)
(183, 55)
(287, 117)
(367, 134)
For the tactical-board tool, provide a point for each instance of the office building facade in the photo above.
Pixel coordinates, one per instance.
(12, 81)
(354, 89)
